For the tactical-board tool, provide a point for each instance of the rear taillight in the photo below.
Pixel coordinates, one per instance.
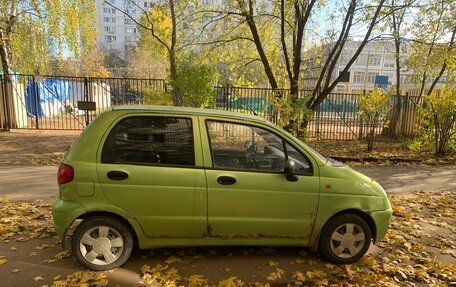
(65, 173)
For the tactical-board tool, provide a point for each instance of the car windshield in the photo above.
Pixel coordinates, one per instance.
(319, 155)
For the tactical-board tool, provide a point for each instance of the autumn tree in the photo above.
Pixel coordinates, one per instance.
(69, 23)
(92, 64)
(373, 110)
(161, 23)
(150, 58)
(290, 20)
(433, 49)
(115, 63)
(398, 24)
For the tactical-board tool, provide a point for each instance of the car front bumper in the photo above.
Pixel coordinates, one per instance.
(382, 220)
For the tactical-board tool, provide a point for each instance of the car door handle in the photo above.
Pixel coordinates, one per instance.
(117, 175)
(226, 180)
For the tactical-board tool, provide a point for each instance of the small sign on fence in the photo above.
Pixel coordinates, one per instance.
(87, 106)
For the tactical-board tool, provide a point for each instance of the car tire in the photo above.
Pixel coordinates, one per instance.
(102, 243)
(345, 239)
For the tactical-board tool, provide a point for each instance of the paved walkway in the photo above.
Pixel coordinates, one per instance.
(29, 183)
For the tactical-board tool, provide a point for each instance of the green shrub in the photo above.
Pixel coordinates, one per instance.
(196, 84)
(154, 97)
(437, 118)
(292, 114)
(373, 109)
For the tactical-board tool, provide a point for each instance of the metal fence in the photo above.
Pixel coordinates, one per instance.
(71, 103)
(67, 103)
(336, 118)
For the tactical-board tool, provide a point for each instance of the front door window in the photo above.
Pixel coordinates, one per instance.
(244, 147)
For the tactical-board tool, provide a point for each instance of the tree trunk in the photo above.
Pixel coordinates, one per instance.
(5, 54)
(177, 99)
(397, 108)
(248, 15)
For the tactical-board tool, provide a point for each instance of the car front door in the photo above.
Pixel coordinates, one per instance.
(248, 193)
(148, 166)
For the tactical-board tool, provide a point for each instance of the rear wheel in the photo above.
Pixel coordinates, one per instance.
(345, 239)
(102, 243)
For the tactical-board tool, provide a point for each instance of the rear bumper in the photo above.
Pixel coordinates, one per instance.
(64, 213)
(382, 220)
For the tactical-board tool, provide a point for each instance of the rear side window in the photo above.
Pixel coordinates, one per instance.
(150, 140)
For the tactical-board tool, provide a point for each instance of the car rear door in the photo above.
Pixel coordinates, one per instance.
(151, 166)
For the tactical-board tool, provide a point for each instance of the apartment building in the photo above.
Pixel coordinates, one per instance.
(118, 31)
(374, 67)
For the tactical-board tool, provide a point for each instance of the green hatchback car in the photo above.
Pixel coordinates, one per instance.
(168, 176)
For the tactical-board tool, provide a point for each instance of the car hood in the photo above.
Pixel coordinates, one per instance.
(335, 169)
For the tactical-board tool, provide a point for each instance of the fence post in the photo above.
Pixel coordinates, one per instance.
(228, 97)
(35, 98)
(86, 98)
(361, 123)
(404, 114)
(4, 121)
(317, 121)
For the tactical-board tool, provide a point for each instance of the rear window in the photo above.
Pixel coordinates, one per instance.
(150, 140)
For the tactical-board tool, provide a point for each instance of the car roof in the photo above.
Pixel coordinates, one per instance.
(187, 110)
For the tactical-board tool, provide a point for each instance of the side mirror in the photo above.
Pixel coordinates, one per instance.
(290, 170)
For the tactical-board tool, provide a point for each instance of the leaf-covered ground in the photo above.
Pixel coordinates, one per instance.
(419, 250)
(385, 153)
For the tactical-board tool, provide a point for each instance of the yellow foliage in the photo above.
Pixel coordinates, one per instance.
(196, 281)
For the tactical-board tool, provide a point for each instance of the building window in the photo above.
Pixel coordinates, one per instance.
(110, 38)
(109, 20)
(128, 30)
(361, 60)
(375, 59)
(109, 10)
(389, 65)
(129, 2)
(109, 29)
(371, 77)
(344, 58)
(131, 11)
(128, 21)
(130, 38)
(359, 77)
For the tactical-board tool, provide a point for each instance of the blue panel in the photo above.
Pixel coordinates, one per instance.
(381, 80)
(48, 90)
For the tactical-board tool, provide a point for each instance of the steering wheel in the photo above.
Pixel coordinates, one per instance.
(250, 155)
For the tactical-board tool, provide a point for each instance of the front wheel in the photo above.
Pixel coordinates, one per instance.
(345, 239)
(102, 243)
